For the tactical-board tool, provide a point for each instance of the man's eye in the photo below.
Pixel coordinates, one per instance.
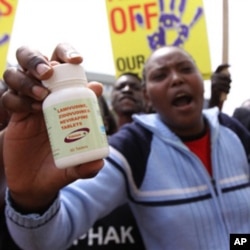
(187, 69)
(136, 87)
(119, 87)
(158, 77)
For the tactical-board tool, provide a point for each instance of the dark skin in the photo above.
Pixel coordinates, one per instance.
(220, 86)
(4, 114)
(173, 85)
(4, 119)
(35, 184)
(127, 98)
(2, 174)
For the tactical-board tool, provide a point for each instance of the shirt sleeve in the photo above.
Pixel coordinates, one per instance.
(74, 211)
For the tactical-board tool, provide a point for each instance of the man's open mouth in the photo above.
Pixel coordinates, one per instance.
(182, 100)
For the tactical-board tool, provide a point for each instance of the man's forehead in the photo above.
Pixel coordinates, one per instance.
(165, 51)
(127, 78)
(173, 54)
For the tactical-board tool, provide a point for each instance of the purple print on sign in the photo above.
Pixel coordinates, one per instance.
(171, 20)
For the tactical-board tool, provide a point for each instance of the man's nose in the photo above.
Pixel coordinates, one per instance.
(126, 88)
(176, 78)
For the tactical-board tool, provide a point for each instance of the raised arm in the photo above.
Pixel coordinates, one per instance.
(32, 178)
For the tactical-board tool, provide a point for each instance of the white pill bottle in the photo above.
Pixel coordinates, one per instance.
(73, 118)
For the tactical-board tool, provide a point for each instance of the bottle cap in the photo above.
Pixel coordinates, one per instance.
(64, 72)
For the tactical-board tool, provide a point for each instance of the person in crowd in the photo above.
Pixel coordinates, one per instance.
(107, 115)
(175, 167)
(246, 104)
(220, 87)
(242, 114)
(127, 97)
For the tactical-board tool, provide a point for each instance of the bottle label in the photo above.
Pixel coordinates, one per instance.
(75, 127)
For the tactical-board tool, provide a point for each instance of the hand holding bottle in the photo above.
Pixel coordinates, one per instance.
(32, 176)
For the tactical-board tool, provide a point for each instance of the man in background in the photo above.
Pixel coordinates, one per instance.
(127, 98)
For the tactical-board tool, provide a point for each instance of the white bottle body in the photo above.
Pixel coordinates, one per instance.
(74, 124)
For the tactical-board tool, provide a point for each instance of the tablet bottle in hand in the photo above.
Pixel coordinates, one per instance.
(73, 118)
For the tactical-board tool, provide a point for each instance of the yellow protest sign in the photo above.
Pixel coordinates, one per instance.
(7, 15)
(137, 27)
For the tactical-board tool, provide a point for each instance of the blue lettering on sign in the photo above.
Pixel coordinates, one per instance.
(4, 38)
(171, 20)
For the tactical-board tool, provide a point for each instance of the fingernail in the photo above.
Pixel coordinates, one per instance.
(73, 54)
(40, 92)
(42, 68)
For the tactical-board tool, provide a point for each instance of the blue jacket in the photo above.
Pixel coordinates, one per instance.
(175, 202)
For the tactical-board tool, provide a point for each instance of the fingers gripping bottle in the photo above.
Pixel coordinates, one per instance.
(73, 119)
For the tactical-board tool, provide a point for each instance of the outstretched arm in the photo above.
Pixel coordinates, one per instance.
(32, 178)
